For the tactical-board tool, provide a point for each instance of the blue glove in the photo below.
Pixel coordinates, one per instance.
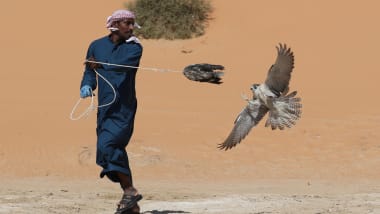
(85, 91)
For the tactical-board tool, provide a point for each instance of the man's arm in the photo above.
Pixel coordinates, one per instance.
(89, 75)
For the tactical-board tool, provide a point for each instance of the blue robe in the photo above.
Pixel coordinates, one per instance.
(114, 122)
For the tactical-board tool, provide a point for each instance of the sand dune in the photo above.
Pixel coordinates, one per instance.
(180, 122)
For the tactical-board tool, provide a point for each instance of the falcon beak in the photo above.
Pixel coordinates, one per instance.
(253, 94)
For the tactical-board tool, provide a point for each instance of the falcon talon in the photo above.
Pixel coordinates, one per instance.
(245, 97)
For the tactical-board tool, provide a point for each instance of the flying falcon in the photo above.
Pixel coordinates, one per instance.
(204, 73)
(271, 96)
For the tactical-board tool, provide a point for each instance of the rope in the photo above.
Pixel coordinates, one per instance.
(86, 112)
(128, 66)
(92, 106)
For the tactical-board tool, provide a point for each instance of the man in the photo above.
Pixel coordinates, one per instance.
(115, 122)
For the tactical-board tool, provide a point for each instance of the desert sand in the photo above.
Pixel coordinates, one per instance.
(328, 163)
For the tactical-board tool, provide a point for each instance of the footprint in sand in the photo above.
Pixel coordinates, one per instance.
(84, 156)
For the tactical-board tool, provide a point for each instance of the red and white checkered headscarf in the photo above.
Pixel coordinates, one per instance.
(119, 15)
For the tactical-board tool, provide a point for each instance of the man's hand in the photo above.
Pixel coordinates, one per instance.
(92, 65)
(85, 91)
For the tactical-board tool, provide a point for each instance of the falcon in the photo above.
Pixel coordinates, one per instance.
(269, 97)
(204, 73)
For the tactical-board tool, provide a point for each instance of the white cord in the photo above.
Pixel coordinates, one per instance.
(113, 90)
(86, 112)
(128, 66)
(92, 106)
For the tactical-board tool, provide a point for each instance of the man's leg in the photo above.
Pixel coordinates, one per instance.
(126, 184)
(129, 191)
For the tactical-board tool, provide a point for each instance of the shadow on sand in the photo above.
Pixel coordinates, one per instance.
(164, 212)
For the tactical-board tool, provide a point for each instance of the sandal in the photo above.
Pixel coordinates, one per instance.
(127, 202)
(134, 210)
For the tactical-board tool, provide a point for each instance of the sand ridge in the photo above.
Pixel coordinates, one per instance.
(179, 122)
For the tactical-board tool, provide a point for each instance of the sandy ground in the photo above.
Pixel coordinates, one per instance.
(328, 163)
(52, 195)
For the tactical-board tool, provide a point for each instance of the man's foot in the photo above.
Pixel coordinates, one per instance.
(128, 204)
(133, 210)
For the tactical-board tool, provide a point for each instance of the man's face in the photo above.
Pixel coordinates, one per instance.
(125, 27)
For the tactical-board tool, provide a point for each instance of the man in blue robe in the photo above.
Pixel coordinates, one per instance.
(115, 122)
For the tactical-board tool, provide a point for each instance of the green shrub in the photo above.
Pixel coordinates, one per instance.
(170, 19)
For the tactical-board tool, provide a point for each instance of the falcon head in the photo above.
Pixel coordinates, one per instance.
(254, 87)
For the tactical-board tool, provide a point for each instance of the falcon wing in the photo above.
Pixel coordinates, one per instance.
(247, 119)
(279, 74)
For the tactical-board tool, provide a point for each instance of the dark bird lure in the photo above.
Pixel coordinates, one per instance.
(204, 73)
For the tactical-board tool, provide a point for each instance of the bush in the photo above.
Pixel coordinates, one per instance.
(171, 19)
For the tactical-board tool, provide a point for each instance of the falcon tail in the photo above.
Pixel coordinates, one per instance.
(286, 110)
